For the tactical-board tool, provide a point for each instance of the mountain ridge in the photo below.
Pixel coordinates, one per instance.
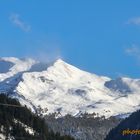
(61, 87)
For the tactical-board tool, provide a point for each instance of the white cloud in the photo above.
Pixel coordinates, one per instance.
(45, 51)
(134, 51)
(47, 57)
(15, 19)
(135, 21)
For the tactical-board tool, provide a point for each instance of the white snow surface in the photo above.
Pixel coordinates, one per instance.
(2, 136)
(19, 65)
(66, 89)
(27, 128)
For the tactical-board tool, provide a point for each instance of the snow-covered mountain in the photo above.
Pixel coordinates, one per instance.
(63, 88)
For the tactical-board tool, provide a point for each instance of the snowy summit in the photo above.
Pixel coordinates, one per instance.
(63, 88)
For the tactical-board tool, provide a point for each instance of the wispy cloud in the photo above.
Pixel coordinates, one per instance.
(16, 20)
(134, 21)
(134, 50)
(47, 57)
(44, 51)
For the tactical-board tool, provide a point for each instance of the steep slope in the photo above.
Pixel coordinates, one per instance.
(11, 70)
(17, 122)
(10, 66)
(85, 127)
(63, 88)
(128, 129)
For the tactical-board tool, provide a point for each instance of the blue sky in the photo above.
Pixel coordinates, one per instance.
(98, 36)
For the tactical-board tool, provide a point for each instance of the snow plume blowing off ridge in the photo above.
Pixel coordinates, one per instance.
(46, 56)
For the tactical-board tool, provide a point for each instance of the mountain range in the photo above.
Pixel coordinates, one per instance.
(59, 87)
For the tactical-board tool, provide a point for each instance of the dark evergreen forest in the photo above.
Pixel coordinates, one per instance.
(10, 128)
(128, 129)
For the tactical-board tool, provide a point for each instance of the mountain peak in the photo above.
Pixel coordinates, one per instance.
(59, 62)
(63, 69)
(62, 85)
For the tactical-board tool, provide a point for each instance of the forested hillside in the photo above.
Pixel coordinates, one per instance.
(129, 129)
(17, 122)
(85, 127)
